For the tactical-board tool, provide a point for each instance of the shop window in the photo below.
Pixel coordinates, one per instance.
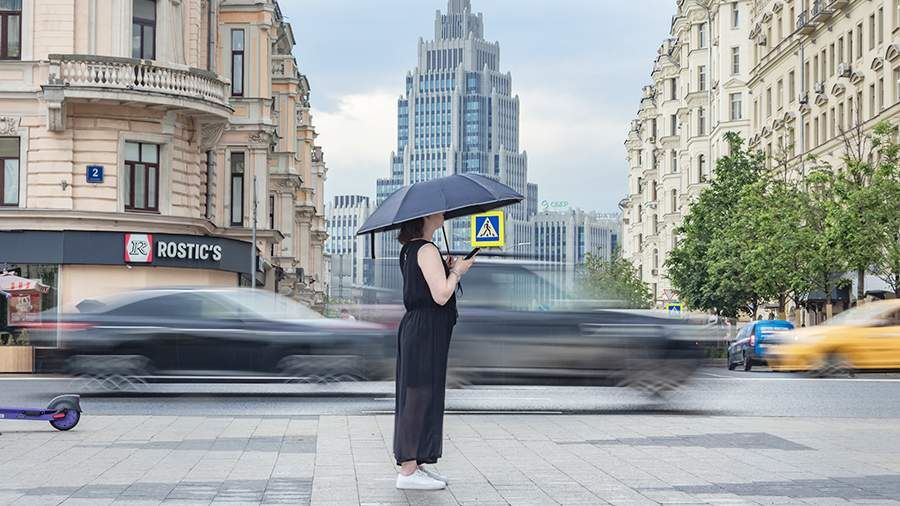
(27, 305)
(143, 29)
(237, 189)
(237, 63)
(141, 174)
(9, 171)
(10, 29)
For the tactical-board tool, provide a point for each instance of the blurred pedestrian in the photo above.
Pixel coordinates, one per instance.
(345, 315)
(423, 342)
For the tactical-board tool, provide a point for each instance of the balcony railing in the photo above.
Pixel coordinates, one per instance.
(110, 73)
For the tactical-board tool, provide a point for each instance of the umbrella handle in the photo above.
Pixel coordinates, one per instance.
(446, 242)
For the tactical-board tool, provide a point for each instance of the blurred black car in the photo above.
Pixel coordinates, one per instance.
(518, 324)
(213, 332)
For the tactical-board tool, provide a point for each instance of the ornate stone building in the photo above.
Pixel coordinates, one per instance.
(697, 93)
(788, 75)
(131, 135)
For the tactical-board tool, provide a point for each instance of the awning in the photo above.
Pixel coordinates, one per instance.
(11, 283)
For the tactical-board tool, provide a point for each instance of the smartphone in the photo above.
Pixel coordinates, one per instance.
(472, 253)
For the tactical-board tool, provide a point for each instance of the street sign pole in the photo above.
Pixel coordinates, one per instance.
(253, 240)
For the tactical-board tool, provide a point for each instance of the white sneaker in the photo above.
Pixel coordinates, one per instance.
(419, 481)
(433, 474)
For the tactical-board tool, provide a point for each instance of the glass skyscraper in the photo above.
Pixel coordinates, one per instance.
(458, 115)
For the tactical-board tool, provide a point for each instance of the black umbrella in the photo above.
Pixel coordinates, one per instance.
(455, 196)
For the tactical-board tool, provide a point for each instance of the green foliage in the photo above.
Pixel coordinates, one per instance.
(705, 266)
(615, 279)
(754, 235)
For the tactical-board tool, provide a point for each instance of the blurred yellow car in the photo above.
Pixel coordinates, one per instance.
(866, 337)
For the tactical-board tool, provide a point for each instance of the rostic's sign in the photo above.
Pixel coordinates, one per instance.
(188, 251)
(141, 248)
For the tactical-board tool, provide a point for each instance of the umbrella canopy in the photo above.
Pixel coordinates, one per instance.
(455, 196)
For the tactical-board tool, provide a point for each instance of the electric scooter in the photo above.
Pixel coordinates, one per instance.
(63, 412)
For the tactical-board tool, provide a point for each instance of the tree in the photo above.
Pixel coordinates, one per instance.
(615, 279)
(704, 267)
(775, 244)
(823, 221)
(886, 188)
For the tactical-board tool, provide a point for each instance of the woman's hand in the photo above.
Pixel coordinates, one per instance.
(461, 266)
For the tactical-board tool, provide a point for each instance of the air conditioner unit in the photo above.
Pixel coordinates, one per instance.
(844, 70)
(819, 87)
(804, 98)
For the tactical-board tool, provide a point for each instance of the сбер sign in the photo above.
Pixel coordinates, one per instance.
(140, 248)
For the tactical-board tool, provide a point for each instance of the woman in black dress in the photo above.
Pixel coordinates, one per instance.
(429, 286)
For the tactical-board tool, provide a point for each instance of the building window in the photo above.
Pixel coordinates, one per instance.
(701, 121)
(237, 63)
(701, 78)
(237, 189)
(881, 25)
(673, 89)
(872, 32)
(792, 87)
(701, 169)
(859, 41)
(210, 175)
(735, 15)
(735, 61)
(674, 201)
(9, 171)
(779, 87)
(10, 29)
(674, 161)
(141, 176)
(143, 29)
(768, 102)
(701, 35)
(897, 81)
(735, 106)
(673, 124)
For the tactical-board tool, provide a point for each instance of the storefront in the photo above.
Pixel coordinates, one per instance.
(77, 265)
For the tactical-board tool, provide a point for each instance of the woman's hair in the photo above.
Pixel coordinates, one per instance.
(410, 230)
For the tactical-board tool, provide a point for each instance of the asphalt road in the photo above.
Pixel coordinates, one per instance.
(714, 392)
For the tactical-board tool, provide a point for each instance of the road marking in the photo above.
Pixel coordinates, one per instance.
(854, 380)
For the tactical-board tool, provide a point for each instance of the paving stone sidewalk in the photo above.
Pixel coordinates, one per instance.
(490, 459)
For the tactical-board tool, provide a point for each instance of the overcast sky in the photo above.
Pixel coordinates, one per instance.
(577, 66)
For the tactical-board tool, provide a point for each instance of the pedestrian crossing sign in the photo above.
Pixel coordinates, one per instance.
(487, 230)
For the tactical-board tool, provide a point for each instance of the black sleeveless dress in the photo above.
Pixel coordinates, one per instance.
(423, 342)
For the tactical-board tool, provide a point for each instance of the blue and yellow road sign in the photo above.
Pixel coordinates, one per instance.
(674, 309)
(488, 230)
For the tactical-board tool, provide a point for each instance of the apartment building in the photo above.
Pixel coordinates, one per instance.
(698, 91)
(138, 137)
(820, 69)
(349, 253)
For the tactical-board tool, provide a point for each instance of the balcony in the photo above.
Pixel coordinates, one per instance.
(131, 81)
(822, 10)
(805, 23)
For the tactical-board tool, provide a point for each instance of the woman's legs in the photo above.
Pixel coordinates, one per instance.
(408, 467)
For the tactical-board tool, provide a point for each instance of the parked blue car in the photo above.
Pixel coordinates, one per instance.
(749, 347)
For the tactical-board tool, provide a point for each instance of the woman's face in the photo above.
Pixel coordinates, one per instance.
(435, 220)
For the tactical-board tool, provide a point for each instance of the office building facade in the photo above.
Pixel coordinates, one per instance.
(458, 115)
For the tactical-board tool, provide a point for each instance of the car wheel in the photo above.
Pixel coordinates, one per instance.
(728, 362)
(748, 362)
(322, 368)
(834, 364)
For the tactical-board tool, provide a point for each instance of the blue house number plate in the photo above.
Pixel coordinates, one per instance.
(94, 173)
